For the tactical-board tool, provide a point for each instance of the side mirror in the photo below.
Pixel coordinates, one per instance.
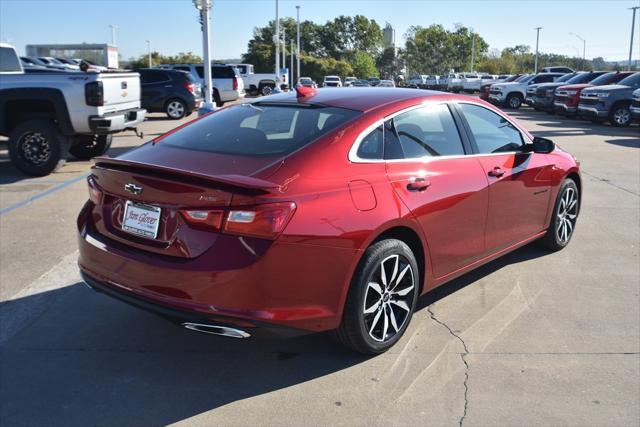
(540, 145)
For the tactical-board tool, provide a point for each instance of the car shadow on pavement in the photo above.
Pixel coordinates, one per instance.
(72, 356)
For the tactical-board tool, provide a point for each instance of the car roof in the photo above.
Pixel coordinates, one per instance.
(353, 98)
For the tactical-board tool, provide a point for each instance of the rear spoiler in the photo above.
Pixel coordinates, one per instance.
(235, 181)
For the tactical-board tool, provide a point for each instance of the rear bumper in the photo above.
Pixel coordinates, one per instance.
(292, 285)
(118, 121)
(180, 317)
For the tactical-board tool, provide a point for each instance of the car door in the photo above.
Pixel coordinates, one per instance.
(519, 181)
(446, 190)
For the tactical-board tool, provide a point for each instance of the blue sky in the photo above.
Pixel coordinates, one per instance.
(172, 26)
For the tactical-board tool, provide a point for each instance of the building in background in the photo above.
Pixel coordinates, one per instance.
(389, 36)
(100, 53)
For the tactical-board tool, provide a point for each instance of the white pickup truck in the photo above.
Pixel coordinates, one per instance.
(257, 84)
(48, 113)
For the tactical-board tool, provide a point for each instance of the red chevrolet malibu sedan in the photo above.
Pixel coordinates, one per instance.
(327, 210)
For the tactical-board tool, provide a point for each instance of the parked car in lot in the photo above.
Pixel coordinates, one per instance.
(531, 89)
(557, 69)
(567, 97)
(485, 88)
(635, 106)
(91, 63)
(610, 102)
(55, 63)
(256, 83)
(374, 81)
(361, 83)
(331, 81)
(227, 84)
(421, 186)
(307, 82)
(386, 83)
(454, 82)
(47, 114)
(418, 81)
(175, 93)
(348, 81)
(36, 62)
(544, 94)
(29, 64)
(432, 81)
(512, 94)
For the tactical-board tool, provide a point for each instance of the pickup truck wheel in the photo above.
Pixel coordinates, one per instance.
(514, 100)
(37, 147)
(175, 109)
(266, 89)
(85, 147)
(620, 116)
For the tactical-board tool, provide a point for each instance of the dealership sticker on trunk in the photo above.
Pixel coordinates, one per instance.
(140, 219)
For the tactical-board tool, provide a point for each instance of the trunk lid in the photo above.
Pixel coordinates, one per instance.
(173, 180)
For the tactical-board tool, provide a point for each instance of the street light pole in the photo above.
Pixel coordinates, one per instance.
(584, 49)
(535, 67)
(291, 76)
(113, 34)
(633, 25)
(204, 6)
(473, 49)
(276, 40)
(298, 40)
(149, 52)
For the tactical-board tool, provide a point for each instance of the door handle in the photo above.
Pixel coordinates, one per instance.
(496, 171)
(418, 184)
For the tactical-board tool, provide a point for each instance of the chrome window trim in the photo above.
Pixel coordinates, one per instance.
(353, 151)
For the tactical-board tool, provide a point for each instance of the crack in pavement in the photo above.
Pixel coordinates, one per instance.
(464, 360)
(608, 181)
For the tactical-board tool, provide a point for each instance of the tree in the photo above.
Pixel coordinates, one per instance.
(386, 62)
(142, 61)
(363, 65)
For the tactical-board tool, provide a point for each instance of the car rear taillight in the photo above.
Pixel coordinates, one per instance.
(95, 193)
(235, 83)
(94, 94)
(265, 221)
(209, 220)
(190, 87)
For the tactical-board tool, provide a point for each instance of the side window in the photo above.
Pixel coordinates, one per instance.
(424, 132)
(200, 71)
(491, 132)
(153, 76)
(371, 146)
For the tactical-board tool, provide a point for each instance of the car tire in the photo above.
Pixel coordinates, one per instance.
(565, 215)
(620, 115)
(514, 101)
(37, 147)
(86, 147)
(217, 99)
(266, 89)
(378, 308)
(175, 109)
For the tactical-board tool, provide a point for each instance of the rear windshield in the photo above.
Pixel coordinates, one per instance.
(259, 130)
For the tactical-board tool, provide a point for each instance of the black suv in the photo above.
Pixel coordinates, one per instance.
(173, 92)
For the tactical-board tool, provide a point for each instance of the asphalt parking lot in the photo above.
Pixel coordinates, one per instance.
(530, 339)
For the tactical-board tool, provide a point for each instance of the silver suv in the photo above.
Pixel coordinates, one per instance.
(227, 84)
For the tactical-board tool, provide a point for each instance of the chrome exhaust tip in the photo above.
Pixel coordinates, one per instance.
(216, 330)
